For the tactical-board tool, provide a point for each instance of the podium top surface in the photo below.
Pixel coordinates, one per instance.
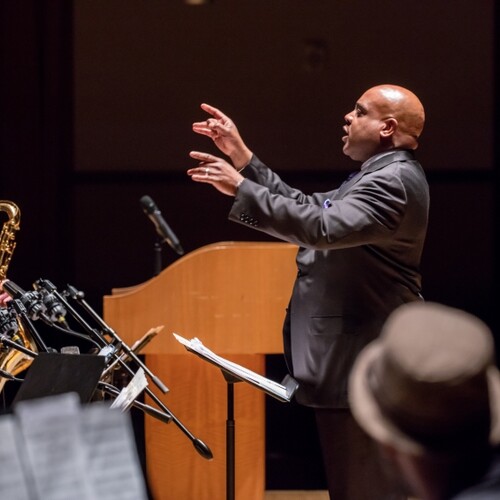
(231, 295)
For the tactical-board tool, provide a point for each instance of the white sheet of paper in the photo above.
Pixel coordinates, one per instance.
(129, 393)
(113, 466)
(55, 451)
(15, 478)
(235, 369)
(73, 452)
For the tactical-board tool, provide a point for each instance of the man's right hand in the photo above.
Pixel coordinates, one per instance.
(225, 135)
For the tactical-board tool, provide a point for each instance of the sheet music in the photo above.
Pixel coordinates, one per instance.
(234, 369)
(129, 393)
(55, 451)
(113, 466)
(69, 452)
(14, 478)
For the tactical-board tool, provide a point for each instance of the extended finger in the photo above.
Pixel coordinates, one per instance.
(204, 157)
(215, 112)
(200, 174)
(202, 128)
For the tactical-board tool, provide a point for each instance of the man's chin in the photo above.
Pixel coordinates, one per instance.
(346, 151)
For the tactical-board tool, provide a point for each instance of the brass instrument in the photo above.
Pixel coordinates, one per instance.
(12, 360)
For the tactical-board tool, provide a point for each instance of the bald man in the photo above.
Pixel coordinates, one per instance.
(359, 255)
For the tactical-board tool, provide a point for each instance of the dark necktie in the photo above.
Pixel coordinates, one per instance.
(327, 203)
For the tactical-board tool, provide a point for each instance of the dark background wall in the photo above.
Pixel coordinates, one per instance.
(97, 100)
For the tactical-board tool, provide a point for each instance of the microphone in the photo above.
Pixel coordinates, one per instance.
(56, 312)
(32, 300)
(8, 322)
(162, 228)
(26, 304)
(39, 303)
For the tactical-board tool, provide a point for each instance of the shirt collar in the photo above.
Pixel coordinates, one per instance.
(376, 157)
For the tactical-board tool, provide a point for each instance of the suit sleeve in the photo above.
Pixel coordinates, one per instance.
(259, 173)
(368, 213)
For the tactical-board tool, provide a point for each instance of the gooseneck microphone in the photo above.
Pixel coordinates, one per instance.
(162, 228)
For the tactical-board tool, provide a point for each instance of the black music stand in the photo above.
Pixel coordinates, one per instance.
(54, 373)
(235, 373)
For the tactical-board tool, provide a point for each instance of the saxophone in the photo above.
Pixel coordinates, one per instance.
(11, 360)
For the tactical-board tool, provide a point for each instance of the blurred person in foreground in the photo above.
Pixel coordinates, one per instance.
(428, 392)
(359, 258)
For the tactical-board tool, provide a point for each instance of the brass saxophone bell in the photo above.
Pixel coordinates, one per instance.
(12, 361)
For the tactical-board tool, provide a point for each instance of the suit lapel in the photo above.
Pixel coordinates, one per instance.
(372, 167)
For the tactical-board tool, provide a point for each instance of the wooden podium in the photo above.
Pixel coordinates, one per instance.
(233, 297)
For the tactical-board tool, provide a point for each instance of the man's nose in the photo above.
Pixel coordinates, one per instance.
(348, 118)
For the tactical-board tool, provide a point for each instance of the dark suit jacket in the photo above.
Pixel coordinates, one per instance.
(359, 257)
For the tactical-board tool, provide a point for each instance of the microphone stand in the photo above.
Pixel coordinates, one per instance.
(9, 376)
(159, 415)
(79, 296)
(68, 331)
(136, 348)
(157, 258)
(110, 389)
(26, 322)
(18, 347)
(198, 444)
(91, 332)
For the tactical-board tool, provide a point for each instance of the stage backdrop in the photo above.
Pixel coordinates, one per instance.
(287, 71)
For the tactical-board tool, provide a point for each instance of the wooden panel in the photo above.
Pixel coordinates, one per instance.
(199, 400)
(232, 296)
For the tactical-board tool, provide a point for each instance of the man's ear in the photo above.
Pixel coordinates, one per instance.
(389, 127)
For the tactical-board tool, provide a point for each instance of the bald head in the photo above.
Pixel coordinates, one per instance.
(403, 106)
(384, 118)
